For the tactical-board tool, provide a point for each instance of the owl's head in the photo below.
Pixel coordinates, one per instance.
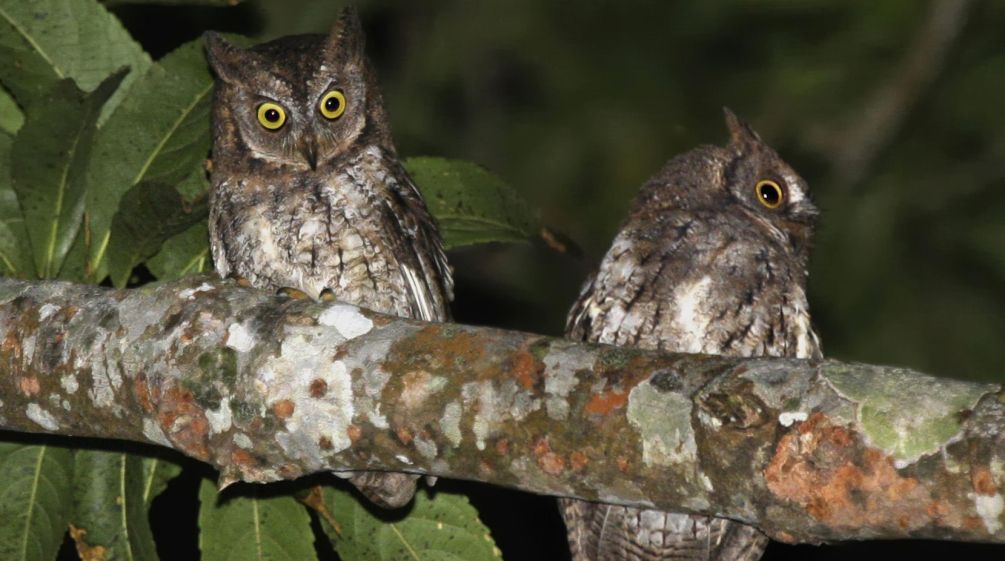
(300, 100)
(746, 180)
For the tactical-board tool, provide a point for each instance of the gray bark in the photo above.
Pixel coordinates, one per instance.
(266, 388)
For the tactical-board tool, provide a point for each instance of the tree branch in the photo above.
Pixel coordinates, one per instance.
(266, 388)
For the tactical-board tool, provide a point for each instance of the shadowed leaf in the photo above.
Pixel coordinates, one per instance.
(109, 506)
(49, 157)
(149, 214)
(11, 117)
(35, 500)
(252, 527)
(184, 254)
(13, 238)
(471, 205)
(44, 41)
(442, 528)
(160, 133)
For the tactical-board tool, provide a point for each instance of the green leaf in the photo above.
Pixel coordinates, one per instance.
(109, 506)
(13, 237)
(175, 2)
(44, 41)
(157, 473)
(11, 117)
(49, 157)
(35, 500)
(184, 254)
(160, 133)
(442, 528)
(252, 527)
(472, 205)
(149, 214)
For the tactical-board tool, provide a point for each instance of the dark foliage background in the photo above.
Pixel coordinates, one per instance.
(892, 111)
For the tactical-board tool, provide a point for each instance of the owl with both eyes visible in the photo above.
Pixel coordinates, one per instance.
(711, 259)
(308, 190)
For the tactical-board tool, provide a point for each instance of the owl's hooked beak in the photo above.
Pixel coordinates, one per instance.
(309, 149)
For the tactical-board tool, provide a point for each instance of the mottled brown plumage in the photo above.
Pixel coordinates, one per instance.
(702, 264)
(309, 193)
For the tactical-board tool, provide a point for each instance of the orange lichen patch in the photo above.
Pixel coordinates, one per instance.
(28, 385)
(453, 347)
(502, 446)
(354, 433)
(971, 522)
(11, 347)
(605, 402)
(242, 458)
(142, 392)
(578, 460)
(318, 388)
(86, 551)
(822, 467)
(527, 369)
(983, 480)
(550, 462)
(404, 435)
(785, 537)
(283, 408)
(185, 422)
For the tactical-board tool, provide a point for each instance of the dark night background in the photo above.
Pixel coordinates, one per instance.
(891, 110)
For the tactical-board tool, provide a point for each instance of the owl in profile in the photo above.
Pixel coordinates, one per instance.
(711, 259)
(308, 190)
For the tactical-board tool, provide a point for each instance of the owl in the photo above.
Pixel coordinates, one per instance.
(308, 190)
(711, 259)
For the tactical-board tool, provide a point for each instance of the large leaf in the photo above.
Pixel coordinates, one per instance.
(160, 133)
(11, 117)
(176, 2)
(43, 41)
(13, 238)
(149, 213)
(35, 500)
(252, 527)
(471, 204)
(157, 473)
(442, 528)
(184, 254)
(49, 157)
(110, 515)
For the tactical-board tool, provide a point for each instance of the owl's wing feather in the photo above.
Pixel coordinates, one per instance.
(426, 273)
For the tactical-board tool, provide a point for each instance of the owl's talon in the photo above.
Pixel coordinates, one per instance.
(327, 295)
(293, 293)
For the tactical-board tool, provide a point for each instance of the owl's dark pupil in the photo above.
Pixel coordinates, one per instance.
(331, 104)
(769, 194)
(271, 115)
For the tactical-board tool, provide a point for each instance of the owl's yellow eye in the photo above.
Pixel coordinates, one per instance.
(271, 115)
(332, 105)
(769, 193)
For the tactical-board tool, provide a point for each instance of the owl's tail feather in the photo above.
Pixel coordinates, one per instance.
(600, 532)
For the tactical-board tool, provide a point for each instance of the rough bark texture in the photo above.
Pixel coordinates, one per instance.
(266, 388)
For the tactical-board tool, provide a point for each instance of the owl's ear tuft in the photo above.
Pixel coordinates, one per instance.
(225, 58)
(741, 136)
(346, 40)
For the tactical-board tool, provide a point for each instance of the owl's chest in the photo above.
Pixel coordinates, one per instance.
(324, 234)
(729, 298)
